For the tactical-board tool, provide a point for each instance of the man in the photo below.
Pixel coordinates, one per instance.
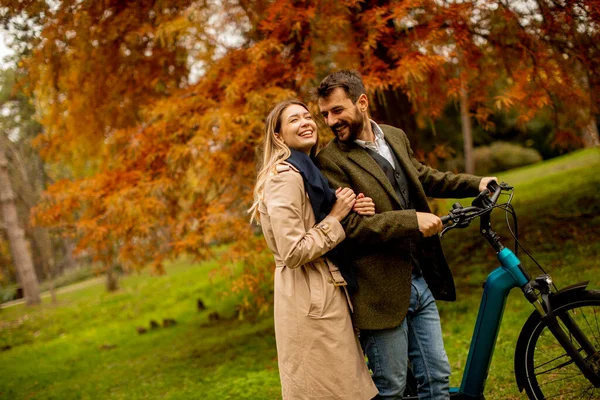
(392, 260)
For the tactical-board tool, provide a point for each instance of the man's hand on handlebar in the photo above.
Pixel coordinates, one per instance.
(429, 224)
(484, 182)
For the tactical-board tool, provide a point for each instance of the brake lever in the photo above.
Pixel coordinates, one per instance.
(482, 200)
(446, 229)
(458, 224)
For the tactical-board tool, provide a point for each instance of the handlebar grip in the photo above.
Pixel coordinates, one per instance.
(445, 219)
(492, 186)
(496, 189)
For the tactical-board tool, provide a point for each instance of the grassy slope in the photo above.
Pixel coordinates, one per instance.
(60, 352)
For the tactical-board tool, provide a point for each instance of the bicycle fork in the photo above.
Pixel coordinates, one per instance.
(588, 365)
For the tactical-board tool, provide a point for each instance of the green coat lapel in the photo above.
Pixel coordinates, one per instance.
(399, 148)
(359, 156)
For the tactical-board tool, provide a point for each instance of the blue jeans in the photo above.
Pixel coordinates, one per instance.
(418, 338)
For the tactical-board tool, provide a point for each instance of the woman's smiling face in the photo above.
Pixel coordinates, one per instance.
(298, 129)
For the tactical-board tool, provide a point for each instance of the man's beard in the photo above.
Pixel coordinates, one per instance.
(355, 127)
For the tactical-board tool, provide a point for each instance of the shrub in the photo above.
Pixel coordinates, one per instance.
(499, 156)
(70, 277)
(8, 293)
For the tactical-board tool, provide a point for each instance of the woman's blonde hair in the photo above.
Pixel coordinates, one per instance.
(273, 151)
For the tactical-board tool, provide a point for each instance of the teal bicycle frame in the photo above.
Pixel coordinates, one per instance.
(497, 286)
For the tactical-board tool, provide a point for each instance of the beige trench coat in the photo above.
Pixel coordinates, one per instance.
(318, 352)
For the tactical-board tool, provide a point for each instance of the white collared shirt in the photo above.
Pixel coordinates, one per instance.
(379, 145)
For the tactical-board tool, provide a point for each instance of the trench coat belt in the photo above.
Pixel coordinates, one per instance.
(336, 275)
(336, 278)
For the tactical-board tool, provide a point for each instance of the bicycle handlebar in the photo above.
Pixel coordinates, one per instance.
(496, 188)
(445, 219)
(482, 204)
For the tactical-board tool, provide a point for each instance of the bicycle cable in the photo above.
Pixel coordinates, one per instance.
(509, 209)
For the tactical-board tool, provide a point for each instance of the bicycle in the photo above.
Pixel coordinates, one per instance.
(557, 350)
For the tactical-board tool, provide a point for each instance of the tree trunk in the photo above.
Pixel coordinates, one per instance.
(69, 262)
(19, 245)
(112, 281)
(393, 107)
(590, 134)
(467, 132)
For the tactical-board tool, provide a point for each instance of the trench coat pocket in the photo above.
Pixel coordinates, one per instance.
(316, 289)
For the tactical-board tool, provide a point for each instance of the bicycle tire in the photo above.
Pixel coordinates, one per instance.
(542, 366)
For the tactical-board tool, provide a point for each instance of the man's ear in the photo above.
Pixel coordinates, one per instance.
(363, 102)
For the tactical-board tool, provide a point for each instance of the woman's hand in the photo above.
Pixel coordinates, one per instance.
(344, 203)
(364, 205)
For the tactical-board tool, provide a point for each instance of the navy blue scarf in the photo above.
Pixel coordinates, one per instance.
(320, 194)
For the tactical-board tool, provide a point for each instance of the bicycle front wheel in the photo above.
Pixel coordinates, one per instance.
(542, 365)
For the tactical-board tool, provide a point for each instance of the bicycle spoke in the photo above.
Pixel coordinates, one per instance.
(563, 393)
(557, 367)
(550, 361)
(591, 328)
(595, 333)
(557, 358)
(559, 377)
(597, 325)
(592, 341)
(590, 389)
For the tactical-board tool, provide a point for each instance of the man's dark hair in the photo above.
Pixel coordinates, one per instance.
(350, 81)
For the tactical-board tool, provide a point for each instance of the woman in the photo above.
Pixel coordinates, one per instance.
(319, 355)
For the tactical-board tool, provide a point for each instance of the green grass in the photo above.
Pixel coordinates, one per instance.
(87, 346)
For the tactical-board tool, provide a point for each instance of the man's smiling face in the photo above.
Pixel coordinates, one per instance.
(342, 116)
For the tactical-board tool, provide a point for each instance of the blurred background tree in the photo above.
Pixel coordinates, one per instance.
(151, 111)
(18, 243)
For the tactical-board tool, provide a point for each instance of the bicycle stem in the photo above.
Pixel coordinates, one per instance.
(485, 227)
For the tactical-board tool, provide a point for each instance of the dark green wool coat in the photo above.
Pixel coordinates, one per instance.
(377, 248)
